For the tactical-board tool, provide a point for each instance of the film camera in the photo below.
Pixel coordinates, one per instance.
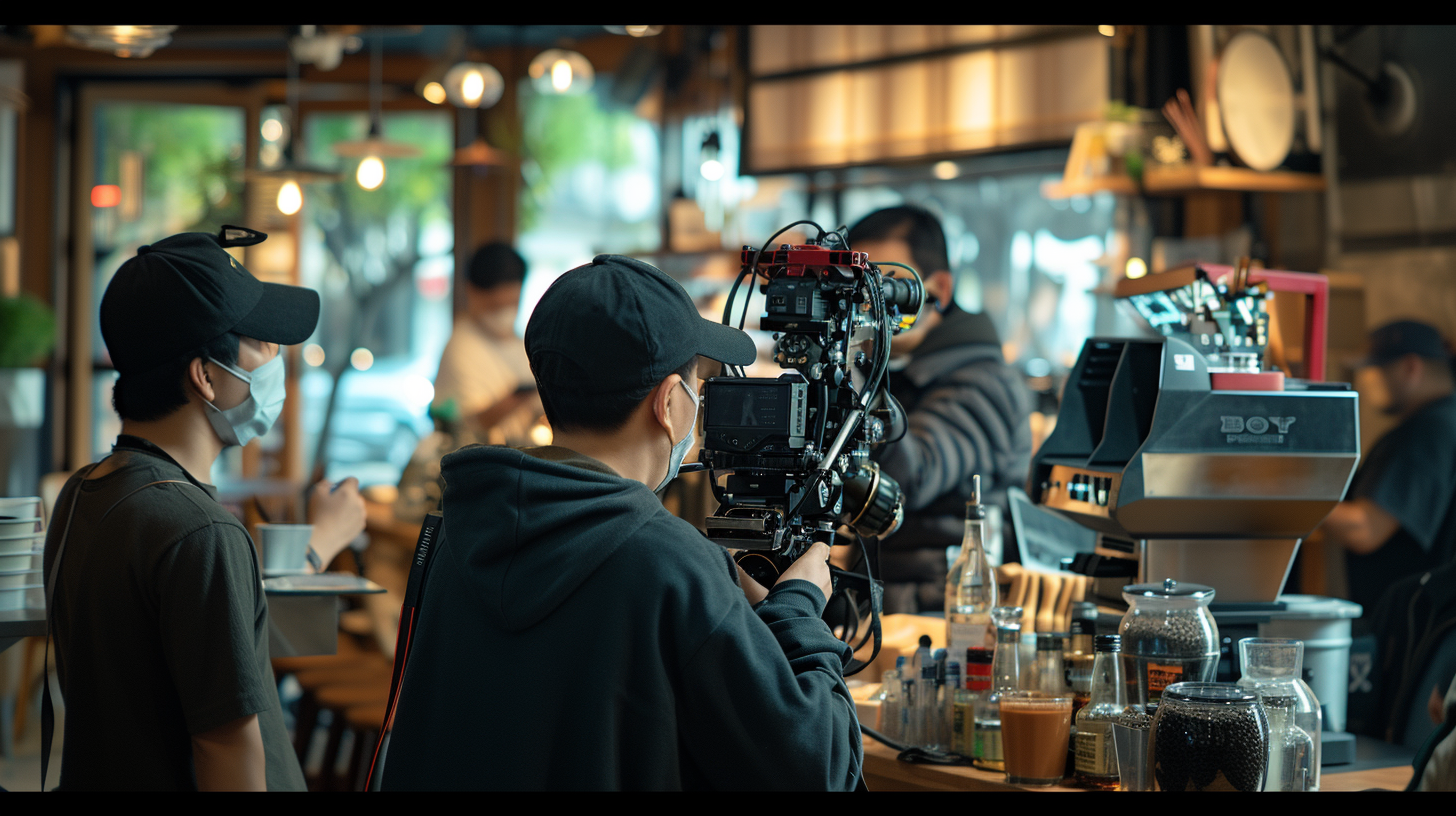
(795, 449)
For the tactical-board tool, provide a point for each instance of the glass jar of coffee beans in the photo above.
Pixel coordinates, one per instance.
(1209, 737)
(1168, 636)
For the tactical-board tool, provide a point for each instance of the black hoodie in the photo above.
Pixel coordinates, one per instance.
(576, 635)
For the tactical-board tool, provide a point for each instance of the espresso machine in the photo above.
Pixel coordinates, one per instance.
(1192, 459)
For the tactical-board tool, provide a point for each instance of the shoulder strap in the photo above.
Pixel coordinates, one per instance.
(47, 710)
(431, 534)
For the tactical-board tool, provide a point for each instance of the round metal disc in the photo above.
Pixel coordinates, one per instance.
(1256, 100)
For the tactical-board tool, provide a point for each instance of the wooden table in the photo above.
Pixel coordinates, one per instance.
(882, 772)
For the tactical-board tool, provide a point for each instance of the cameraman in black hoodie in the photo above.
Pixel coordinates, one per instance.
(576, 635)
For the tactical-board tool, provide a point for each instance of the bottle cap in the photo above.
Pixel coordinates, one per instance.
(1108, 643)
(900, 662)
(925, 641)
(980, 655)
(974, 508)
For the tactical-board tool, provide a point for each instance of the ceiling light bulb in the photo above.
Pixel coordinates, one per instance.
(946, 170)
(434, 93)
(371, 173)
(561, 75)
(1107, 30)
(290, 198)
(272, 130)
(472, 86)
(643, 30)
(712, 169)
(361, 359)
(1136, 268)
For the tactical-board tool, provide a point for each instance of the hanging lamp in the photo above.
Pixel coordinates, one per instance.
(290, 172)
(559, 71)
(374, 148)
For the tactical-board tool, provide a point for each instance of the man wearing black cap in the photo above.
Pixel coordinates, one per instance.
(574, 634)
(1399, 517)
(155, 598)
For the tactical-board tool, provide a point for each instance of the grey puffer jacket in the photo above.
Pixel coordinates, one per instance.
(968, 414)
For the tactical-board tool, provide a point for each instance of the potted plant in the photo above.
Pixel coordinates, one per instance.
(27, 336)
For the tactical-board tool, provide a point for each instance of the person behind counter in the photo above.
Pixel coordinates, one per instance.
(484, 381)
(1399, 517)
(157, 610)
(573, 634)
(968, 413)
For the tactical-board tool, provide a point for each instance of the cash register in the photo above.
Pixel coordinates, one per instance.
(1190, 458)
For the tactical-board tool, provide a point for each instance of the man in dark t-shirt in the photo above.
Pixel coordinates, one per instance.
(1398, 518)
(154, 594)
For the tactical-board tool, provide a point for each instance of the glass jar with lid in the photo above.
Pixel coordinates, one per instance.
(1271, 669)
(1209, 737)
(1168, 636)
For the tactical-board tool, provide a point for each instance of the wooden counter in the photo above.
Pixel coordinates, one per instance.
(883, 772)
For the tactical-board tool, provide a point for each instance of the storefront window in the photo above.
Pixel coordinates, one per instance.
(161, 169)
(382, 263)
(592, 178)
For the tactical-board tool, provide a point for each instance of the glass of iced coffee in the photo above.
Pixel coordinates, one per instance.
(1035, 729)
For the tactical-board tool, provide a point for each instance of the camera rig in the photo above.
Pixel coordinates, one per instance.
(795, 449)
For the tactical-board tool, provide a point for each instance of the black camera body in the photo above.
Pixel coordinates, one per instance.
(796, 448)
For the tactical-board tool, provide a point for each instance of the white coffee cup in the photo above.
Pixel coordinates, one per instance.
(285, 548)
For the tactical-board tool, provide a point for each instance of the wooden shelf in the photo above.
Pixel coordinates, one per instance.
(1190, 179)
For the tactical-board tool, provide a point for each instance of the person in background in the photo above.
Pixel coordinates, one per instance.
(484, 385)
(968, 412)
(1399, 517)
(575, 635)
(156, 602)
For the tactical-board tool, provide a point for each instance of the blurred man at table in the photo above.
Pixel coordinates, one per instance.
(155, 596)
(1399, 517)
(484, 386)
(573, 633)
(968, 412)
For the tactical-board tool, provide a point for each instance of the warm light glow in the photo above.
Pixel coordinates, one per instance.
(290, 198)
(434, 92)
(712, 170)
(313, 354)
(105, 195)
(269, 155)
(1136, 268)
(362, 359)
(1106, 31)
(946, 170)
(472, 86)
(561, 75)
(371, 173)
(272, 130)
(541, 433)
(643, 31)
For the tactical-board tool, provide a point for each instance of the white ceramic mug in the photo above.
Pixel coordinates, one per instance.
(285, 548)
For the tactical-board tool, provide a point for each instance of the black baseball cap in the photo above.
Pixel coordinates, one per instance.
(620, 326)
(1395, 340)
(186, 290)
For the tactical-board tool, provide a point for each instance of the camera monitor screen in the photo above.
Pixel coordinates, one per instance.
(750, 406)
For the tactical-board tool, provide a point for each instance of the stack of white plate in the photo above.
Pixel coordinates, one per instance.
(22, 540)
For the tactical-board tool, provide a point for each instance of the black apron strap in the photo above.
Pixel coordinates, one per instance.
(431, 534)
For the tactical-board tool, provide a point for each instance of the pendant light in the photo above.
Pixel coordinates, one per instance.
(473, 85)
(479, 154)
(123, 41)
(558, 71)
(292, 173)
(374, 148)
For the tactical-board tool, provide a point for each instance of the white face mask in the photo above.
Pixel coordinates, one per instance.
(680, 449)
(499, 323)
(252, 417)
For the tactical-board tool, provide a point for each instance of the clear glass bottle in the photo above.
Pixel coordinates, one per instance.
(953, 686)
(892, 699)
(1168, 636)
(970, 585)
(1096, 753)
(1048, 672)
(1079, 653)
(1272, 669)
(1005, 676)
